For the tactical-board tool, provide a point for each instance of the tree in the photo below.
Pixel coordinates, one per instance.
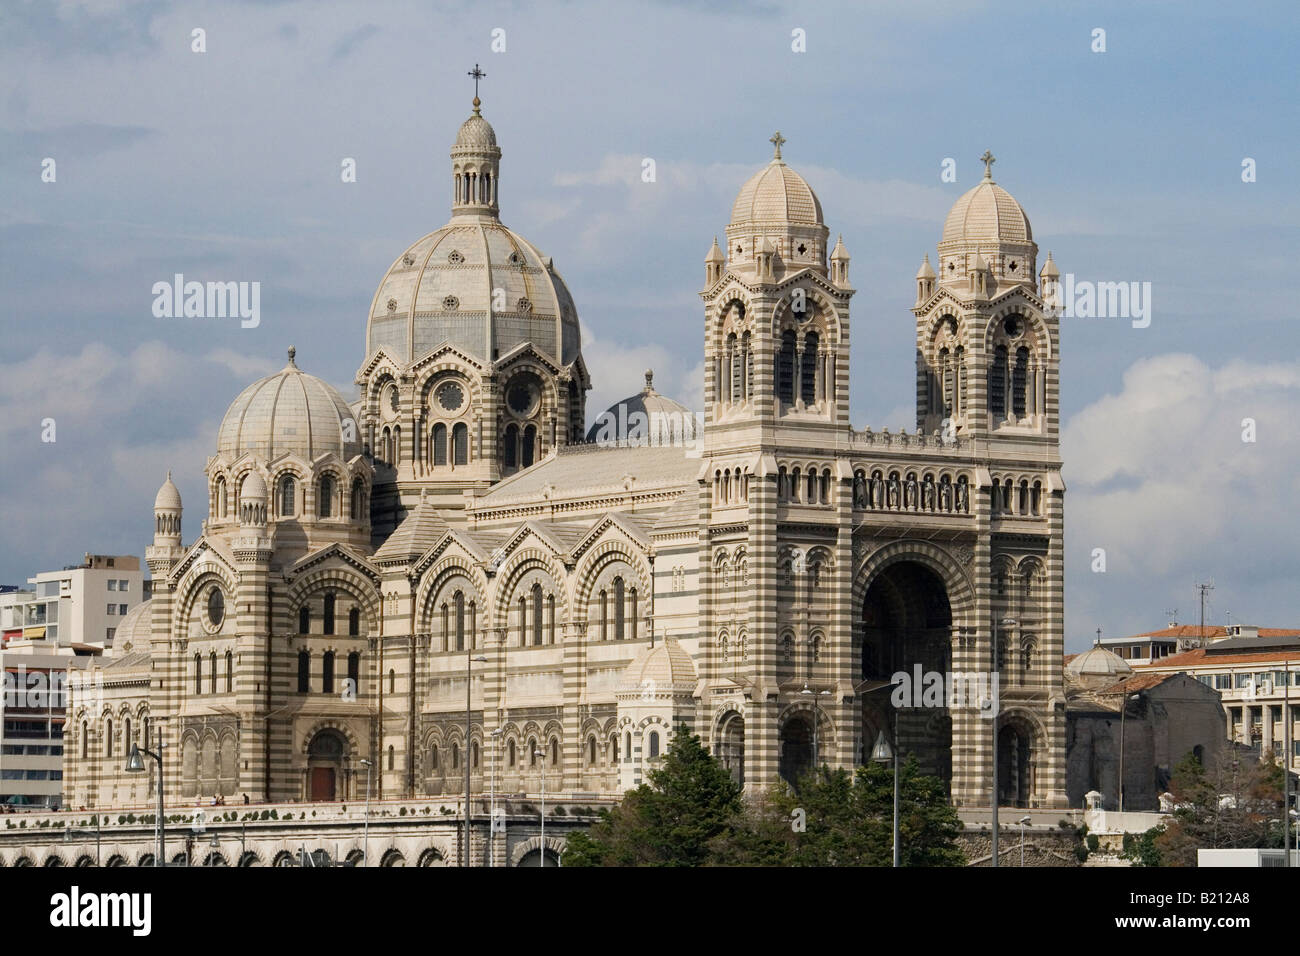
(670, 821)
(1235, 804)
(840, 819)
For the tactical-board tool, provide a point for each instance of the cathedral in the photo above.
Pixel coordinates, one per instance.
(457, 539)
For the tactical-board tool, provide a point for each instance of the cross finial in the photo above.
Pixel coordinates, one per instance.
(478, 75)
(292, 352)
(988, 161)
(776, 141)
(1098, 635)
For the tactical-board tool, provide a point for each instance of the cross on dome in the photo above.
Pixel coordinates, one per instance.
(776, 141)
(478, 75)
(988, 160)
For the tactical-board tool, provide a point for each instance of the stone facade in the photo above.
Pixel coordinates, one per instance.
(363, 568)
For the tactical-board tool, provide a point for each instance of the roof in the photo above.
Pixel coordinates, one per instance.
(665, 665)
(1136, 683)
(169, 496)
(987, 212)
(1205, 657)
(1210, 630)
(416, 533)
(136, 628)
(776, 193)
(658, 418)
(597, 468)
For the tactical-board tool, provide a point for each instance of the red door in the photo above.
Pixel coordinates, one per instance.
(322, 784)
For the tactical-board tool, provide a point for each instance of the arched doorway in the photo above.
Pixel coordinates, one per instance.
(534, 858)
(796, 748)
(325, 765)
(1016, 777)
(907, 629)
(731, 746)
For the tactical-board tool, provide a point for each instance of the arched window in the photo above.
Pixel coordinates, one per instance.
(1018, 378)
(455, 756)
(627, 745)
(433, 757)
(358, 499)
(108, 737)
(536, 594)
(604, 615)
(998, 382)
(808, 369)
(458, 604)
(620, 609)
(613, 749)
(198, 673)
(304, 620)
(510, 447)
(212, 672)
(591, 750)
(327, 673)
(473, 755)
(325, 497)
(392, 681)
(329, 612)
(473, 623)
(85, 739)
(550, 619)
(397, 445)
(532, 751)
(654, 744)
(510, 753)
(287, 490)
(354, 622)
(733, 366)
(392, 755)
(126, 737)
(439, 444)
(460, 444)
(523, 621)
(785, 368)
(631, 599)
(230, 672)
(448, 641)
(304, 672)
(529, 446)
(354, 672)
(221, 498)
(555, 752)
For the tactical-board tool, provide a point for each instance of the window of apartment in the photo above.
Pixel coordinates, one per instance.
(112, 584)
(123, 585)
(109, 632)
(121, 609)
(1222, 681)
(112, 609)
(1240, 680)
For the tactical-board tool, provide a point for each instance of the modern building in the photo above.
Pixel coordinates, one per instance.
(78, 606)
(369, 570)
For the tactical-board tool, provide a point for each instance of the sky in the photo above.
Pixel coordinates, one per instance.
(225, 165)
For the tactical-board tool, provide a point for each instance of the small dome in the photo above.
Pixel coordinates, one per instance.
(1049, 270)
(289, 411)
(135, 628)
(666, 664)
(476, 133)
(715, 254)
(776, 193)
(253, 488)
(169, 496)
(839, 253)
(926, 271)
(660, 412)
(1097, 664)
(989, 213)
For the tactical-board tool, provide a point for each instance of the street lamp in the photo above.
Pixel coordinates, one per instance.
(995, 702)
(816, 718)
(469, 745)
(365, 826)
(882, 753)
(1123, 712)
(71, 832)
(542, 855)
(1022, 821)
(492, 801)
(135, 764)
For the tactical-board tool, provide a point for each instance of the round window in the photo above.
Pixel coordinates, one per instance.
(522, 397)
(393, 401)
(1011, 326)
(216, 607)
(451, 397)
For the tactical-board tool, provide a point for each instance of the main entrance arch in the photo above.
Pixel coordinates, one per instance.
(325, 765)
(906, 629)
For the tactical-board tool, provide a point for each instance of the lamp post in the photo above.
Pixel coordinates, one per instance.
(135, 764)
(71, 832)
(816, 718)
(1123, 712)
(492, 801)
(882, 753)
(1022, 821)
(542, 855)
(995, 701)
(469, 746)
(365, 826)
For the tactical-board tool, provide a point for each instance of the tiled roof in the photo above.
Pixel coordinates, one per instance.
(417, 533)
(1204, 656)
(595, 468)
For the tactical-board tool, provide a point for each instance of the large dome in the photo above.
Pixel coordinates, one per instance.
(441, 290)
(776, 193)
(289, 411)
(988, 212)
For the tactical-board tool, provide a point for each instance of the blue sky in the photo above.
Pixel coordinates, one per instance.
(225, 165)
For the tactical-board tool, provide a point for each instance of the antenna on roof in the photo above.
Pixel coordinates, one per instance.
(1172, 615)
(1204, 588)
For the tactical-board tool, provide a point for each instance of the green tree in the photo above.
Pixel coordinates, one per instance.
(1235, 804)
(836, 818)
(689, 800)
